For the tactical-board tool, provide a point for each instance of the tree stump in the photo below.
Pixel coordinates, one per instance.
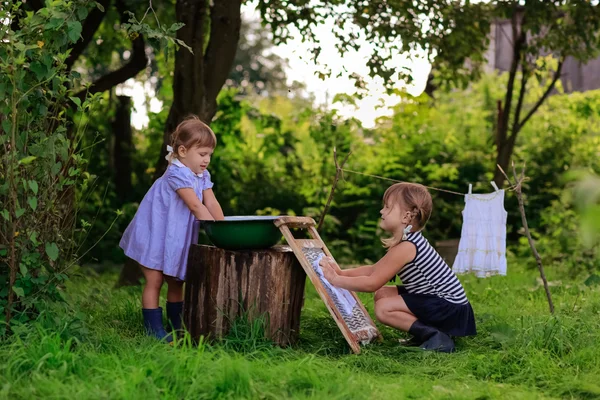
(222, 285)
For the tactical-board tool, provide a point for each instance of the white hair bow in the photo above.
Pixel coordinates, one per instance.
(406, 232)
(170, 155)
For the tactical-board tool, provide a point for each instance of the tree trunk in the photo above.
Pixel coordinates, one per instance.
(199, 77)
(123, 148)
(503, 154)
(223, 285)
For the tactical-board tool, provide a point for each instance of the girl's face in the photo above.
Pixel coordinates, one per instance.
(195, 158)
(393, 218)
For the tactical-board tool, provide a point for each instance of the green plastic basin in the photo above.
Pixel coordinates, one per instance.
(243, 232)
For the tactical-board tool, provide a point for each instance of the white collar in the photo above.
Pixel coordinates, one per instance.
(180, 165)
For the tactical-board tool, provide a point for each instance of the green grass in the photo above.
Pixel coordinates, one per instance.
(94, 348)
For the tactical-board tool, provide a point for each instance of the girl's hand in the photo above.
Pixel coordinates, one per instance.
(212, 204)
(332, 264)
(328, 269)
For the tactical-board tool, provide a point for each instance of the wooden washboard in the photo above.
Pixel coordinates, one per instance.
(358, 328)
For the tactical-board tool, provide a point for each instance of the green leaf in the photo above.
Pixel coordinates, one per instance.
(20, 46)
(20, 212)
(33, 238)
(18, 291)
(52, 251)
(6, 125)
(56, 168)
(99, 6)
(74, 30)
(5, 214)
(32, 201)
(39, 70)
(54, 23)
(76, 100)
(23, 269)
(33, 185)
(592, 280)
(82, 12)
(27, 160)
(176, 26)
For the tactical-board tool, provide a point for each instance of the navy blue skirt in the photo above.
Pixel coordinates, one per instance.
(452, 319)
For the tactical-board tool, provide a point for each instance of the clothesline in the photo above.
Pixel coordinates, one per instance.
(397, 181)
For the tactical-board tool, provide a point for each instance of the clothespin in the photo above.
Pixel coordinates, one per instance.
(494, 185)
(470, 188)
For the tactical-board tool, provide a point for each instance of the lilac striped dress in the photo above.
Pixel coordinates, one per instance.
(163, 229)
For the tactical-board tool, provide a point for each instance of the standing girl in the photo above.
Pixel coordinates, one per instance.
(163, 228)
(431, 304)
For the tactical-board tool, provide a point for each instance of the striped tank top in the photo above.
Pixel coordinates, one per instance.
(428, 273)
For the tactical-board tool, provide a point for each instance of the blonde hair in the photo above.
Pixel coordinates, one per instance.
(192, 132)
(409, 197)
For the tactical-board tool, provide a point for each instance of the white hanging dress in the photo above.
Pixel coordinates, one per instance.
(482, 247)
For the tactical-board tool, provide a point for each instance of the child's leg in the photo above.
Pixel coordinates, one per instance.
(174, 290)
(386, 291)
(174, 302)
(151, 311)
(391, 310)
(151, 293)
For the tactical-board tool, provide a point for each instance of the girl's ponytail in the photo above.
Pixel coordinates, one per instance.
(172, 148)
(417, 213)
(174, 138)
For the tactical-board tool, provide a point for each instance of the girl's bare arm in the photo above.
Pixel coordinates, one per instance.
(211, 202)
(384, 270)
(191, 200)
(366, 270)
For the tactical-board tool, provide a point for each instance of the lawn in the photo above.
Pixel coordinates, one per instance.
(93, 347)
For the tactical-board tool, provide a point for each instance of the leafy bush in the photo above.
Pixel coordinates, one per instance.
(275, 155)
(41, 169)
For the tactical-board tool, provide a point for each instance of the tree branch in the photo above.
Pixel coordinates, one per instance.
(516, 127)
(338, 172)
(545, 95)
(519, 41)
(518, 189)
(225, 22)
(90, 26)
(137, 63)
(499, 113)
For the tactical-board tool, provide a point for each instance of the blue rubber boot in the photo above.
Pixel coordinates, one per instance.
(154, 325)
(439, 342)
(431, 338)
(174, 311)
